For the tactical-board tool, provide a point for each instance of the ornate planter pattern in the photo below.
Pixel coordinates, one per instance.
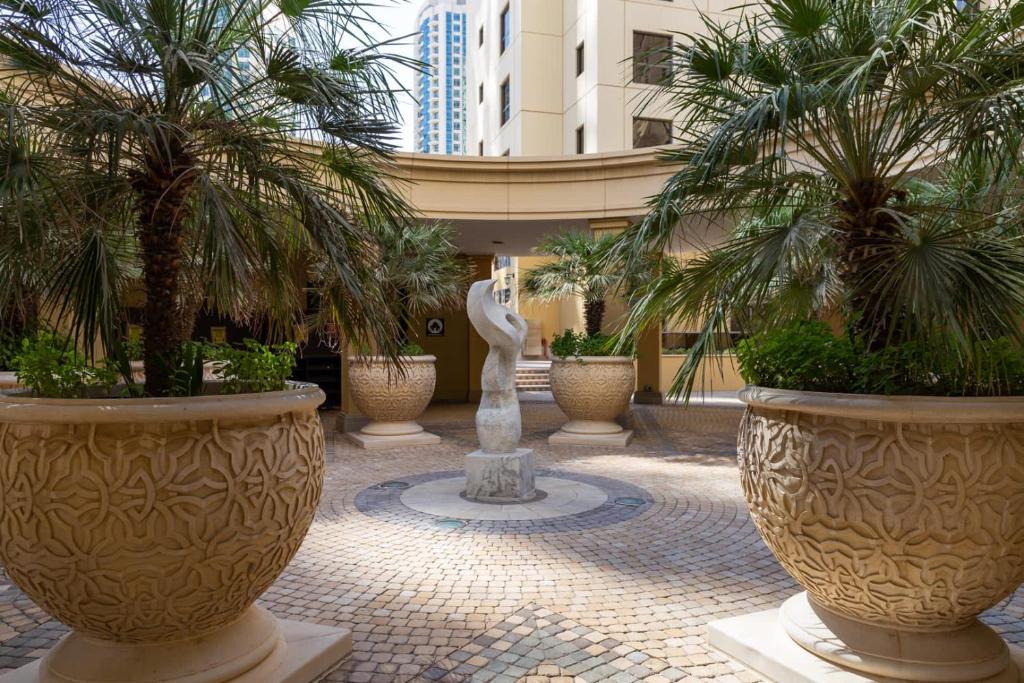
(149, 521)
(392, 402)
(592, 391)
(903, 513)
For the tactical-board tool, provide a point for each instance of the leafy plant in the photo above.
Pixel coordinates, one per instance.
(808, 356)
(804, 355)
(134, 349)
(412, 349)
(161, 143)
(574, 344)
(186, 369)
(254, 368)
(866, 156)
(52, 368)
(9, 347)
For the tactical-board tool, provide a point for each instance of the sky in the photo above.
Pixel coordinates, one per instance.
(398, 18)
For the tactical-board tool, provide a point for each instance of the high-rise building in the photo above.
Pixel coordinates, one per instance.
(554, 77)
(441, 87)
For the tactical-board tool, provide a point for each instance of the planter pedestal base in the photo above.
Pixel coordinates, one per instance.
(564, 438)
(300, 653)
(591, 433)
(374, 442)
(762, 642)
(377, 436)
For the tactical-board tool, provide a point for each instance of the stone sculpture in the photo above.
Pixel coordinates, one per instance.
(500, 471)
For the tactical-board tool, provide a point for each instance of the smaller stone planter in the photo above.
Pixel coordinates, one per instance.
(592, 391)
(392, 401)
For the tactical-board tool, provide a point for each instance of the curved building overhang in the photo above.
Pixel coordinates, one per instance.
(564, 188)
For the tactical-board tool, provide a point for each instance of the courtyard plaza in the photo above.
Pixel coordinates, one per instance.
(614, 576)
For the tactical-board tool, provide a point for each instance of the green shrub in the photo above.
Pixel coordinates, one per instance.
(574, 344)
(254, 368)
(10, 345)
(412, 349)
(807, 356)
(133, 349)
(51, 367)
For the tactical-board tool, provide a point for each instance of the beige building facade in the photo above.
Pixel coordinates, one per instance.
(550, 77)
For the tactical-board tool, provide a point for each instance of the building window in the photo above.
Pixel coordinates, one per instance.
(651, 132)
(480, 93)
(652, 62)
(580, 61)
(505, 30)
(506, 102)
(581, 140)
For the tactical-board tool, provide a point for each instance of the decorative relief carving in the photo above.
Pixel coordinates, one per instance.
(597, 390)
(386, 396)
(147, 532)
(910, 525)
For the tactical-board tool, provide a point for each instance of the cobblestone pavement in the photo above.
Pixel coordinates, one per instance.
(621, 593)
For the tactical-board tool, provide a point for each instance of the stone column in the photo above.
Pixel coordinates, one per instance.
(349, 419)
(648, 367)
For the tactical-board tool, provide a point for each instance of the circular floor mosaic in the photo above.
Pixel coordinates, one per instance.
(573, 501)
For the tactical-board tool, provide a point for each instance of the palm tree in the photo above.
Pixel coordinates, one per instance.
(419, 267)
(575, 272)
(160, 141)
(863, 158)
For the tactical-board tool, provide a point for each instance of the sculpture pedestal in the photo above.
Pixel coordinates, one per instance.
(500, 477)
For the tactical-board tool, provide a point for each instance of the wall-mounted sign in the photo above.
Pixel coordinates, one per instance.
(219, 335)
(435, 327)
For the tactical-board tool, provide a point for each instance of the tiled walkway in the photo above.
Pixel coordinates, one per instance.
(619, 593)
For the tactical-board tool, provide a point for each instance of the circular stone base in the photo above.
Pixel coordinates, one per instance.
(442, 497)
(592, 427)
(251, 648)
(973, 653)
(392, 428)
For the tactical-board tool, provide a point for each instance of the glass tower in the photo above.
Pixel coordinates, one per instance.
(441, 88)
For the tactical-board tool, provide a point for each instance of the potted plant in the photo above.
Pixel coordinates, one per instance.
(152, 150)
(867, 157)
(592, 384)
(420, 264)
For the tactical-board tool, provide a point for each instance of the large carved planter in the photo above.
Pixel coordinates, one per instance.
(150, 526)
(592, 391)
(391, 400)
(902, 517)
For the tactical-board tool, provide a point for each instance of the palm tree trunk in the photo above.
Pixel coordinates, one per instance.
(868, 229)
(162, 198)
(593, 316)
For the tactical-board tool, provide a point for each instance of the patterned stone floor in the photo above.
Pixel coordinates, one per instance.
(618, 593)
